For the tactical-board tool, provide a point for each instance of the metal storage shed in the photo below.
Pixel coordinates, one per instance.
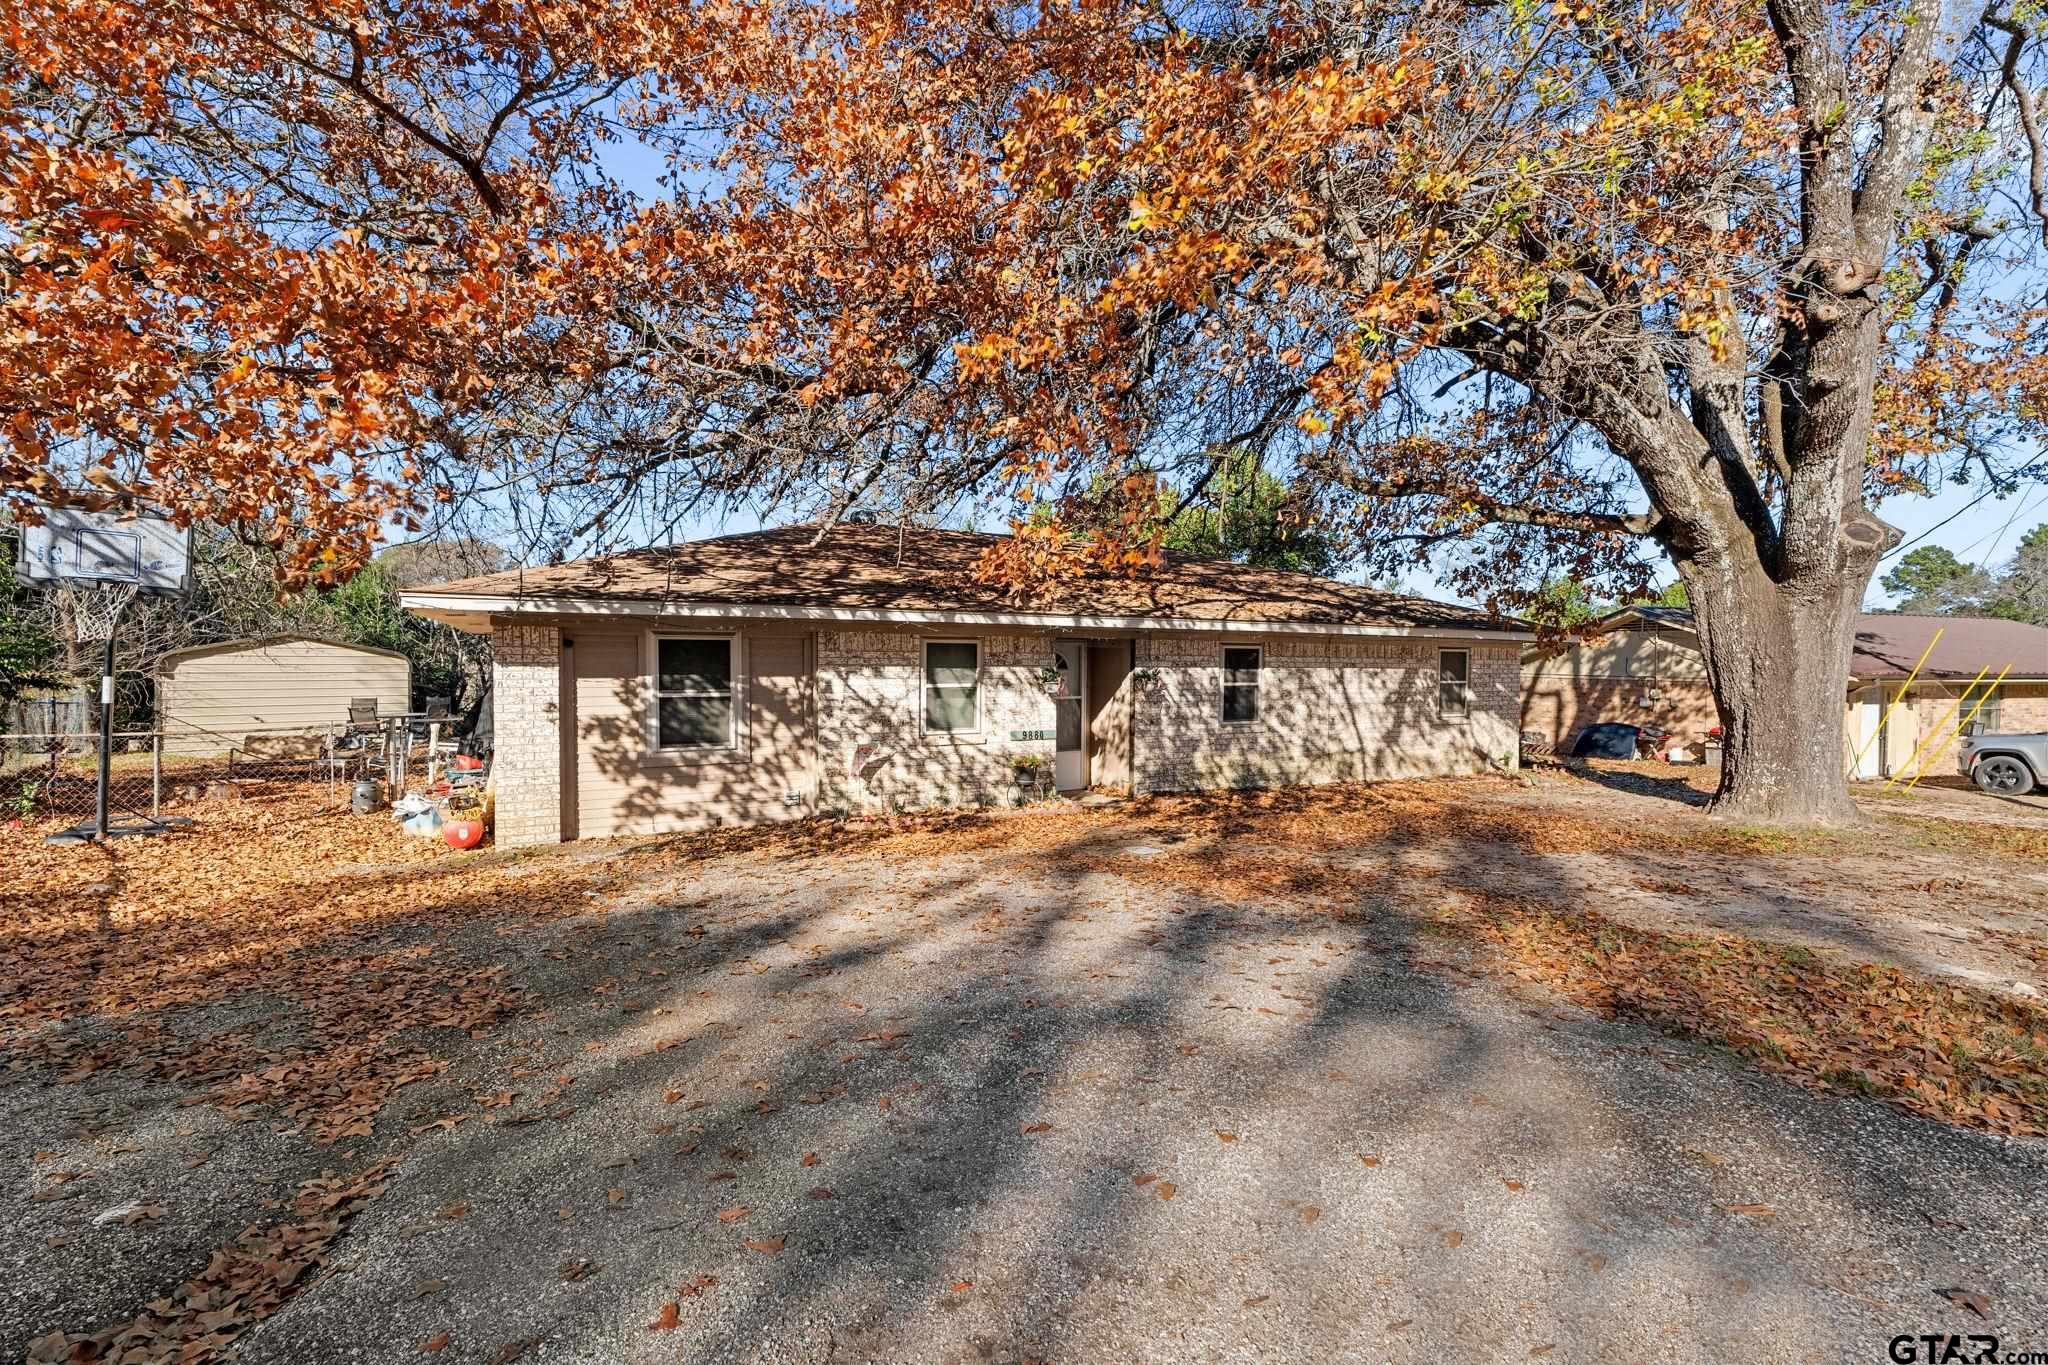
(210, 696)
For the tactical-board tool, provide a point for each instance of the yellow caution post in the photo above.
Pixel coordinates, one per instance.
(1899, 697)
(1953, 732)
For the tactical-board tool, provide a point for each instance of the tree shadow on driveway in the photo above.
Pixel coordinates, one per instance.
(1066, 1109)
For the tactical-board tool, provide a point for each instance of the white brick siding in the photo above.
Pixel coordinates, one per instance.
(1332, 708)
(526, 763)
(870, 694)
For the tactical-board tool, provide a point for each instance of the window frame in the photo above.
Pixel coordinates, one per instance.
(655, 694)
(1223, 686)
(1464, 685)
(1986, 719)
(925, 685)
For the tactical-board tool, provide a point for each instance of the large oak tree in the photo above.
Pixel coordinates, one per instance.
(1523, 288)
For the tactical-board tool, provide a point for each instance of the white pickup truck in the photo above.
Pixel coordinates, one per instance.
(2004, 765)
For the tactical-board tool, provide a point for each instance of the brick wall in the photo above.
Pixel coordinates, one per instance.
(1331, 709)
(1560, 707)
(526, 767)
(873, 753)
(2023, 708)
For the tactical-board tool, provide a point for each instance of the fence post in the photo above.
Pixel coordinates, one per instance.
(156, 773)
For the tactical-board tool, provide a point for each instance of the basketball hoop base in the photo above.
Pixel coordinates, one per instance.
(84, 833)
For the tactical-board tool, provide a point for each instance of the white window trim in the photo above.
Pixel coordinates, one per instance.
(1464, 687)
(651, 671)
(1223, 687)
(924, 684)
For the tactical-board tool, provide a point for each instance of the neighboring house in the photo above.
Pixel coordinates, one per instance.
(210, 696)
(1886, 649)
(1643, 666)
(772, 675)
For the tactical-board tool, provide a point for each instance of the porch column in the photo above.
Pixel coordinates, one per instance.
(526, 763)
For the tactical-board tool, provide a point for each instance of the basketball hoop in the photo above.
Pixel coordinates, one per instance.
(96, 609)
(100, 562)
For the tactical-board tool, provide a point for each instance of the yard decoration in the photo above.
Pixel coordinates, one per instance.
(1550, 283)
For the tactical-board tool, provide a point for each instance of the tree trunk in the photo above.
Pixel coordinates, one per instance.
(1777, 659)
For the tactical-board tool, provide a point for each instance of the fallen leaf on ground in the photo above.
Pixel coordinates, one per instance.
(733, 1214)
(1167, 1189)
(1514, 1186)
(455, 1210)
(1368, 1160)
(1970, 1299)
(697, 1286)
(1145, 1178)
(665, 1321)
(1454, 1238)
(1255, 1300)
(1222, 1136)
(1027, 1129)
(512, 1350)
(767, 1246)
(962, 1286)
(427, 1287)
(578, 1269)
(1309, 1213)
(435, 1343)
(810, 1158)
(821, 1192)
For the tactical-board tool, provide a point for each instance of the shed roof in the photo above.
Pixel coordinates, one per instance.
(868, 572)
(263, 641)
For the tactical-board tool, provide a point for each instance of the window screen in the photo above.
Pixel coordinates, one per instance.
(693, 694)
(952, 686)
(1453, 683)
(1241, 685)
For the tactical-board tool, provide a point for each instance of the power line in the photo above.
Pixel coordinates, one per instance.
(1905, 545)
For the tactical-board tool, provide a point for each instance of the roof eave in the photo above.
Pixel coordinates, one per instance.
(472, 612)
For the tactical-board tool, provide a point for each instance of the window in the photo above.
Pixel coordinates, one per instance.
(693, 703)
(1453, 683)
(1241, 684)
(1985, 721)
(952, 687)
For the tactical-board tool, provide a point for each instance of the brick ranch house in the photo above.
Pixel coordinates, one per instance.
(1642, 666)
(781, 673)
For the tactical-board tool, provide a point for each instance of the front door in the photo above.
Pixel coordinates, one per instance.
(1070, 752)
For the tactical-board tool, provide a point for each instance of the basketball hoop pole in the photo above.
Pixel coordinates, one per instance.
(99, 809)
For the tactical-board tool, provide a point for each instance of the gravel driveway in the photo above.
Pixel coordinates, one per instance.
(992, 1105)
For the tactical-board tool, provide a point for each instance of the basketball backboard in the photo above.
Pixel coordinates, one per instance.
(73, 548)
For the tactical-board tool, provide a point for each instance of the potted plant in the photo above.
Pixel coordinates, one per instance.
(1032, 770)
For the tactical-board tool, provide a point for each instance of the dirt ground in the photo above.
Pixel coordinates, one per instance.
(1550, 1068)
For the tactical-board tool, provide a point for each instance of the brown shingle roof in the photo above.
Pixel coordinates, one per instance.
(862, 567)
(1887, 646)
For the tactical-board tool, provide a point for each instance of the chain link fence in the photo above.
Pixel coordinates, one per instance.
(57, 774)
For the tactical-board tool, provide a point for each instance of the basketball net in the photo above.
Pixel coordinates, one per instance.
(96, 610)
